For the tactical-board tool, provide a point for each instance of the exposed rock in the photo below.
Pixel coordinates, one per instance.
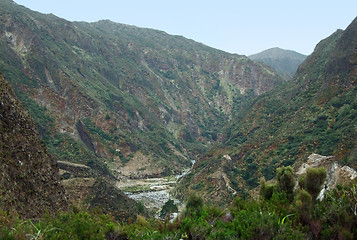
(347, 173)
(315, 161)
(140, 166)
(285, 125)
(75, 170)
(158, 188)
(335, 173)
(227, 157)
(85, 136)
(159, 91)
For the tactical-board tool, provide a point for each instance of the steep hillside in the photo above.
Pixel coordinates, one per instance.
(316, 112)
(284, 62)
(139, 100)
(32, 183)
(29, 184)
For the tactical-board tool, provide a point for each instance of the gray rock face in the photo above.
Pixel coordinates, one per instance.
(335, 173)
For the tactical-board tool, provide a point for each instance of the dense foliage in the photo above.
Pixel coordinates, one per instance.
(276, 217)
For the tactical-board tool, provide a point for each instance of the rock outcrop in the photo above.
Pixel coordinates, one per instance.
(336, 174)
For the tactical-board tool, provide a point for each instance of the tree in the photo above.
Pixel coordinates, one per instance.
(169, 207)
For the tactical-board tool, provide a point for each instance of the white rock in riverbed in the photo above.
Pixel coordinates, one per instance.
(159, 188)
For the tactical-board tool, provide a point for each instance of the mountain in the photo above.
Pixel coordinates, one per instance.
(315, 112)
(29, 183)
(284, 62)
(123, 100)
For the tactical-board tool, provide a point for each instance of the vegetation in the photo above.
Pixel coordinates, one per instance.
(284, 62)
(315, 112)
(132, 90)
(312, 181)
(277, 217)
(136, 89)
(169, 207)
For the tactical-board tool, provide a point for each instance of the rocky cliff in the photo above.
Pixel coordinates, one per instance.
(32, 183)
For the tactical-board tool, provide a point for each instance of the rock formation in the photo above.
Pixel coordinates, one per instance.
(336, 174)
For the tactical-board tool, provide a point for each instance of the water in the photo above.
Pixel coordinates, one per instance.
(186, 171)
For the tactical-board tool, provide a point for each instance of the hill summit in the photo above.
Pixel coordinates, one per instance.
(284, 62)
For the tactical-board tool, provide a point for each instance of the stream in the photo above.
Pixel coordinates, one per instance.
(153, 193)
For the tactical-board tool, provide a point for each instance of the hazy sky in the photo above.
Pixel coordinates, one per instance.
(243, 27)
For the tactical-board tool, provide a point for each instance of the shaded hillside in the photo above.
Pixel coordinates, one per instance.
(316, 112)
(29, 184)
(284, 62)
(124, 96)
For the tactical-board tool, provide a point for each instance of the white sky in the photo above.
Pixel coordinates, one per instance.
(243, 27)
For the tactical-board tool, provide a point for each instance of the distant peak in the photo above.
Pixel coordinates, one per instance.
(276, 52)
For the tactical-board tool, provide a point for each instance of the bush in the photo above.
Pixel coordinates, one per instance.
(312, 181)
(194, 204)
(285, 180)
(303, 202)
(266, 191)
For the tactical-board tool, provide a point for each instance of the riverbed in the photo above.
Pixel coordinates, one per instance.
(153, 193)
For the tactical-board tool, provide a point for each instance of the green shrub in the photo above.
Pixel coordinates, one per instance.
(194, 204)
(285, 180)
(312, 181)
(303, 202)
(266, 190)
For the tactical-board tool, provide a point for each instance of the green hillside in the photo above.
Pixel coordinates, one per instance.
(121, 95)
(315, 112)
(109, 103)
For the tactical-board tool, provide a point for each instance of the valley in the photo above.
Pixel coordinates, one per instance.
(100, 123)
(125, 96)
